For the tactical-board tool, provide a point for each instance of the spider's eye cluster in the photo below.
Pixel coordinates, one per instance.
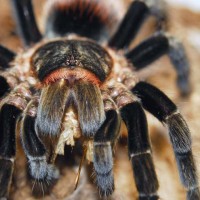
(72, 55)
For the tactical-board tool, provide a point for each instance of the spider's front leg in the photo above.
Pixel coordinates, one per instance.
(42, 126)
(158, 104)
(8, 118)
(11, 107)
(138, 142)
(42, 173)
(140, 151)
(104, 141)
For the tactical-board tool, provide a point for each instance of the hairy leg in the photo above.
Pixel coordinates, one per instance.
(140, 151)
(26, 23)
(160, 44)
(137, 13)
(158, 104)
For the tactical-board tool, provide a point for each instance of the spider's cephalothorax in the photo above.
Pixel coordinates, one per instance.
(68, 84)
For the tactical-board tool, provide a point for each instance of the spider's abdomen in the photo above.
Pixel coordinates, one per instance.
(63, 58)
(77, 16)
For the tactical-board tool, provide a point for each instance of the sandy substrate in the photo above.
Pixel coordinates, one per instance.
(183, 24)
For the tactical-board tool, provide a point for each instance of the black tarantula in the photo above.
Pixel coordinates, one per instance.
(67, 84)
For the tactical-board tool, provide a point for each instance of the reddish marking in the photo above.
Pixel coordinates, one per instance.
(93, 8)
(72, 75)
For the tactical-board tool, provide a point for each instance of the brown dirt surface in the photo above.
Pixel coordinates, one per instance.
(183, 24)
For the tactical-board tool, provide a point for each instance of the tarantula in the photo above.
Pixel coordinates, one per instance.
(68, 85)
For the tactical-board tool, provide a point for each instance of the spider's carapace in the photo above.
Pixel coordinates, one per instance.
(72, 60)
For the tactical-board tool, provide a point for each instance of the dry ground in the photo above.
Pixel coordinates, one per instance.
(183, 24)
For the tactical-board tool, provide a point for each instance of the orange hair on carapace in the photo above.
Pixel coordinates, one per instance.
(72, 76)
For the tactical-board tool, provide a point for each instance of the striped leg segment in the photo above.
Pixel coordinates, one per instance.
(158, 104)
(133, 20)
(140, 151)
(39, 170)
(8, 118)
(84, 18)
(103, 158)
(26, 23)
(156, 46)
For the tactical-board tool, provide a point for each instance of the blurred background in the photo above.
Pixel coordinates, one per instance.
(192, 4)
(183, 23)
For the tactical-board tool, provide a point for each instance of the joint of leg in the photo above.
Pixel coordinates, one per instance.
(102, 143)
(37, 158)
(149, 195)
(171, 115)
(9, 159)
(140, 153)
(157, 8)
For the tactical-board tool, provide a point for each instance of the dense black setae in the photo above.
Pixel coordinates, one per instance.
(78, 80)
(83, 18)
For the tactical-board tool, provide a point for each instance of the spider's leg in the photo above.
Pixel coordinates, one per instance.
(140, 151)
(156, 46)
(133, 20)
(26, 22)
(158, 104)
(8, 117)
(8, 80)
(4, 86)
(11, 107)
(103, 157)
(6, 56)
(39, 169)
(138, 141)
